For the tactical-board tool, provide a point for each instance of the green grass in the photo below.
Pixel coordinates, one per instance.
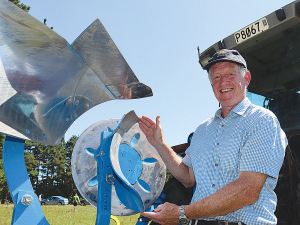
(84, 215)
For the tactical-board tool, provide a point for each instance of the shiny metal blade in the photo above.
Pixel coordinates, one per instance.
(45, 84)
(125, 191)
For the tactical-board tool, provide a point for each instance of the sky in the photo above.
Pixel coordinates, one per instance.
(159, 40)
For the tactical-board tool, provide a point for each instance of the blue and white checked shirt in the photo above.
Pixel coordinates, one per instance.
(248, 139)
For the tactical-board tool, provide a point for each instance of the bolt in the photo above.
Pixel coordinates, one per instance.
(102, 153)
(93, 197)
(26, 199)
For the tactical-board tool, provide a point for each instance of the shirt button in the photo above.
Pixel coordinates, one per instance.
(223, 125)
(213, 185)
(216, 164)
(217, 143)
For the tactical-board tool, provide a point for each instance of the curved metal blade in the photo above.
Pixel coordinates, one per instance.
(47, 84)
(126, 193)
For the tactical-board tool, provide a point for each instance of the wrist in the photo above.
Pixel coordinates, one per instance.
(183, 220)
(187, 210)
(160, 144)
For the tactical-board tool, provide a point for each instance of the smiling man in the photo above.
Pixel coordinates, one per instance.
(234, 158)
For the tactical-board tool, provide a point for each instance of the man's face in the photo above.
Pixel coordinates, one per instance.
(228, 84)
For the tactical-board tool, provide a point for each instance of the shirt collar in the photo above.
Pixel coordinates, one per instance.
(239, 109)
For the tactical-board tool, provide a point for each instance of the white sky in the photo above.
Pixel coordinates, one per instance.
(159, 40)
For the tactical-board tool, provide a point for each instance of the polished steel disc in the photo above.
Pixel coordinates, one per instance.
(138, 160)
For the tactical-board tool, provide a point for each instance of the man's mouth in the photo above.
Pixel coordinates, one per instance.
(225, 90)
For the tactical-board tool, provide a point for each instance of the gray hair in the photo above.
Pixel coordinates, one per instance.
(242, 70)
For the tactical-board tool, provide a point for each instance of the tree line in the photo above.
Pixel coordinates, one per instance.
(48, 167)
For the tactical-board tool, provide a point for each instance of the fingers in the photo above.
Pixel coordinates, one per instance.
(147, 121)
(150, 215)
(159, 208)
(166, 213)
(158, 121)
(151, 129)
(153, 215)
(143, 127)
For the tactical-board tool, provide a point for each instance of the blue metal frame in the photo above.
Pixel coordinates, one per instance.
(27, 208)
(19, 183)
(24, 213)
(105, 176)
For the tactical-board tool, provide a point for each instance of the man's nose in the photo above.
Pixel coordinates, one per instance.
(224, 79)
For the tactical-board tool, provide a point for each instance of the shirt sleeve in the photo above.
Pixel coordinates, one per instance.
(264, 148)
(187, 158)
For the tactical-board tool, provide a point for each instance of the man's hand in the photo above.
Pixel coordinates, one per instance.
(166, 214)
(154, 134)
(152, 130)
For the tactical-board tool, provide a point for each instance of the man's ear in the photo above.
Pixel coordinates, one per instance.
(247, 78)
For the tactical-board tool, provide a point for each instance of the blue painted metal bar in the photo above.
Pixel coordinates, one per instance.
(105, 177)
(27, 208)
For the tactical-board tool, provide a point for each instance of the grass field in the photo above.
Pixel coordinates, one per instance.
(65, 215)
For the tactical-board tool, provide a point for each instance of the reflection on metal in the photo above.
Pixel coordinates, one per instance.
(46, 84)
(137, 166)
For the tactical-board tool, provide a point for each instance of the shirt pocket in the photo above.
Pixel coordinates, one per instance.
(230, 153)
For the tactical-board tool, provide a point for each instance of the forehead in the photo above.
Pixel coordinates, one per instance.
(223, 66)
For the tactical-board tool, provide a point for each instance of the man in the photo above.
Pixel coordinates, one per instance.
(76, 201)
(234, 157)
(40, 197)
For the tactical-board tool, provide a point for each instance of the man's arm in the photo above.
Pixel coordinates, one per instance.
(178, 169)
(242, 192)
(174, 163)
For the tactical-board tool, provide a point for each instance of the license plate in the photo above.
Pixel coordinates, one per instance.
(251, 30)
